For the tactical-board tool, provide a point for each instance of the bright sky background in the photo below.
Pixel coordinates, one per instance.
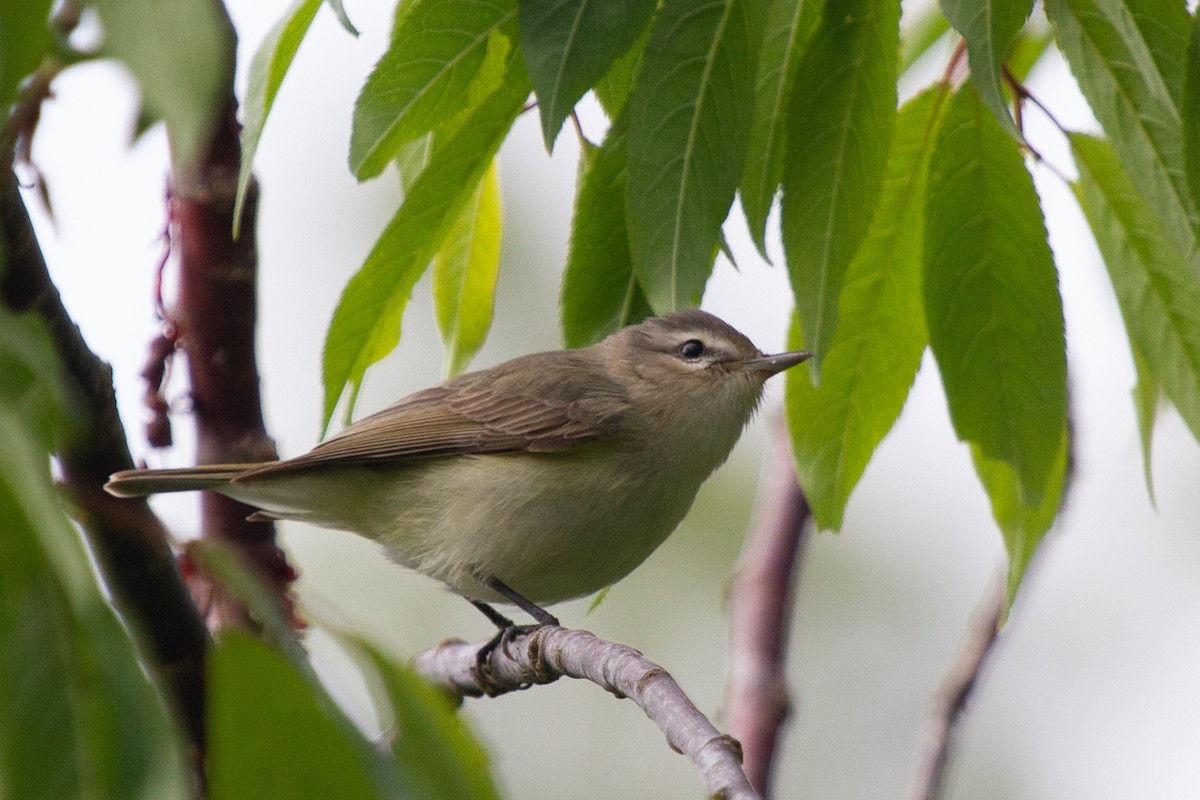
(1093, 692)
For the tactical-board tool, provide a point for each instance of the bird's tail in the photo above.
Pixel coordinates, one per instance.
(141, 482)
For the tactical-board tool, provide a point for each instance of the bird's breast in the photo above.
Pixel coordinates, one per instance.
(551, 525)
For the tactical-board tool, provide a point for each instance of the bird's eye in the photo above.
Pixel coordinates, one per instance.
(692, 348)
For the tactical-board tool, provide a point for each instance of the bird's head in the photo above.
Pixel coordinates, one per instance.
(691, 365)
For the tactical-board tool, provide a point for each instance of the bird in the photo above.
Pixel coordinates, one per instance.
(542, 479)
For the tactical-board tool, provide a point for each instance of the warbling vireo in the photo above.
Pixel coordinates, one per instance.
(545, 478)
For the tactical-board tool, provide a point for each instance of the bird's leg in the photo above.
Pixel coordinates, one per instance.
(494, 616)
(540, 614)
(507, 628)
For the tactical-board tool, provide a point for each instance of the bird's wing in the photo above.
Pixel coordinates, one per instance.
(557, 405)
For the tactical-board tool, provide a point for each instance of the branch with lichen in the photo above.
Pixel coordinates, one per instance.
(545, 654)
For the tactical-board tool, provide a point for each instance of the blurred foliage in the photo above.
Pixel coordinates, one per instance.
(79, 717)
(276, 732)
(267, 71)
(181, 54)
(26, 38)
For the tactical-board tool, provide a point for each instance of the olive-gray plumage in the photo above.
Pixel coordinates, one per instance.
(555, 473)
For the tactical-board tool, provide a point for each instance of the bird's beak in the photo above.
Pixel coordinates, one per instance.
(776, 363)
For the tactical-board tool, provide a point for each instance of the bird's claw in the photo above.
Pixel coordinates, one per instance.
(483, 657)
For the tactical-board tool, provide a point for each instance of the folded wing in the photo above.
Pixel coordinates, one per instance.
(539, 403)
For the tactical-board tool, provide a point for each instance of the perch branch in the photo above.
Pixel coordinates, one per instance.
(757, 700)
(952, 696)
(550, 652)
(129, 541)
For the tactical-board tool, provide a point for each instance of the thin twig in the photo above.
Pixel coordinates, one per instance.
(579, 135)
(550, 652)
(1022, 92)
(952, 696)
(955, 61)
(979, 642)
(757, 700)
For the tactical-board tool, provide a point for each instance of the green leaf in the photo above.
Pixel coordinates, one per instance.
(25, 39)
(789, 24)
(497, 61)
(366, 322)
(920, 34)
(411, 161)
(1129, 60)
(989, 27)
(688, 128)
(838, 137)
(465, 271)
(437, 49)
(599, 292)
(78, 715)
(245, 709)
(597, 600)
(571, 44)
(1157, 288)
(724, 249)
(434, 749)
(412, 157)
(614, 88)
(1023, 521)
(1146, 396)
(275, 733)
(339, 10)
(877, 348)
(1032, 44)
(991, 296)
(222, 562)
(267, 70)
(1191, 112)
(181, 53)
(29, 377)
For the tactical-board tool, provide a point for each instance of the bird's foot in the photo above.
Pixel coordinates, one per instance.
(508, 631)
(503, 638)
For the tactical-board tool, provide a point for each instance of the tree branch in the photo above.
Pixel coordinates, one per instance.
(129, 541)
(550, 652)
(757, 701)
(215, 317)
(952, 696)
